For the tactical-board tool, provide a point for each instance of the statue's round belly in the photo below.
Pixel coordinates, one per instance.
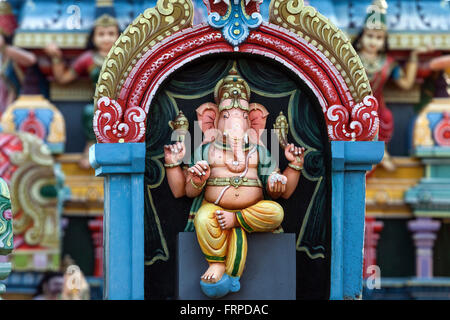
(234, 198)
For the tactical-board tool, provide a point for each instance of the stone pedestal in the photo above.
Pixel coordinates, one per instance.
(424, 234)
(269, 274)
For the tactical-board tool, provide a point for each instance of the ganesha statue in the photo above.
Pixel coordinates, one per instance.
(234, 182)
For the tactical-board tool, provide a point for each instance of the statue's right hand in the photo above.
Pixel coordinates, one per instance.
(199, 172)
(53, 51)
(174, 153)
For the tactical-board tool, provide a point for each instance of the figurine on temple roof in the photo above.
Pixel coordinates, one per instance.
(234, 181)
(13, 60)
(103, 36)
(372, 46)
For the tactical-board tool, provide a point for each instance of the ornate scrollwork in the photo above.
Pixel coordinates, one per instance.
(30, 175)
(361, 124)
(110, 124)
(317, 30)
(148, 29)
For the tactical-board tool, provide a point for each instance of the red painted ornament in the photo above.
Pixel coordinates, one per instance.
(124, 120)
(442, 131)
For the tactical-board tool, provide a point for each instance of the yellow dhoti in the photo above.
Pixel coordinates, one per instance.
(230, 246)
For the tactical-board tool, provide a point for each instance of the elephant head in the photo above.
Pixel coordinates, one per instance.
(235, 124)
(232, 119)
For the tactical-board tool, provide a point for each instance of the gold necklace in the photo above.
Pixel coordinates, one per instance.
(372, 66)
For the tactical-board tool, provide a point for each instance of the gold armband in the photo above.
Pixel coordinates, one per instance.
(293, 166)
(196, 186)
(172, 165)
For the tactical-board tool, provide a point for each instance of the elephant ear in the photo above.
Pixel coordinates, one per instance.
(258, 117)
(207, 115)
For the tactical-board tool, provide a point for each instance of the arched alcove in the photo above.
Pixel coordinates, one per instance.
(307, 213)
(131, 124)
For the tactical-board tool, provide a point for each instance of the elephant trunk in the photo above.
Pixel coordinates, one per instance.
(238, 163)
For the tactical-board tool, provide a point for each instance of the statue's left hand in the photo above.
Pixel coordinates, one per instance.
(294, 155)
(277, 183)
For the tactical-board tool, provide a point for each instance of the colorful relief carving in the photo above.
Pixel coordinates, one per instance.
(162, 41)
(380, 66)
(103, 35)
(6, 232)
(351, 113)
(6, 220)
(432, 126)
(442, 131)
(37, 116)
(28, 168)
(230, 171)
(13, 61)
(234, 18)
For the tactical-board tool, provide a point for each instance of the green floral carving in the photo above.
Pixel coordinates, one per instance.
(6, 230)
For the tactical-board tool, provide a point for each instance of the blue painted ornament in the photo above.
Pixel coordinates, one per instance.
(236, 23)
(221, 288)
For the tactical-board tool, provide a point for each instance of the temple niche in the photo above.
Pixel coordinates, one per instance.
(306, 212)
(156, 83)
(97, 99)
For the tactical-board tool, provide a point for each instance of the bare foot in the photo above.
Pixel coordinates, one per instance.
(227, 220)
(214, 272)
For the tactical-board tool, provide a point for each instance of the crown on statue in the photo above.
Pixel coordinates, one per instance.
(233, 87)
(376, 16)
(106, 20)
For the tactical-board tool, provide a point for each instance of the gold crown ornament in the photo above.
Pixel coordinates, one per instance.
(233, 87)
(106, 20)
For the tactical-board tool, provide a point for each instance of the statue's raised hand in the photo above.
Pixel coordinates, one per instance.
(174, 153)
(294, 155)
(199, 173)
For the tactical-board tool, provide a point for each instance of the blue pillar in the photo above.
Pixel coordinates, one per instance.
(122, 165)
(350, 162)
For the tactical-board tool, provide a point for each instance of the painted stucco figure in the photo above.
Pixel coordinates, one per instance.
(234, 181)
(380, 66)
(104, 34)
(13, 60)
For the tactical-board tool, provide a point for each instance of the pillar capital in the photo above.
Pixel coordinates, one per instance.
(117, 158)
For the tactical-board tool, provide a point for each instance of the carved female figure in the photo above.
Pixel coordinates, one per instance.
(102, 38)
(372, 46)
(231, 173)
(13, 60)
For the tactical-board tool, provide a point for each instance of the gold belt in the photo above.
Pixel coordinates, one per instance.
(235, 182)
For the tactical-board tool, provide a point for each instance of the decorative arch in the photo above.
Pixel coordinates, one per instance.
(162, 40)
